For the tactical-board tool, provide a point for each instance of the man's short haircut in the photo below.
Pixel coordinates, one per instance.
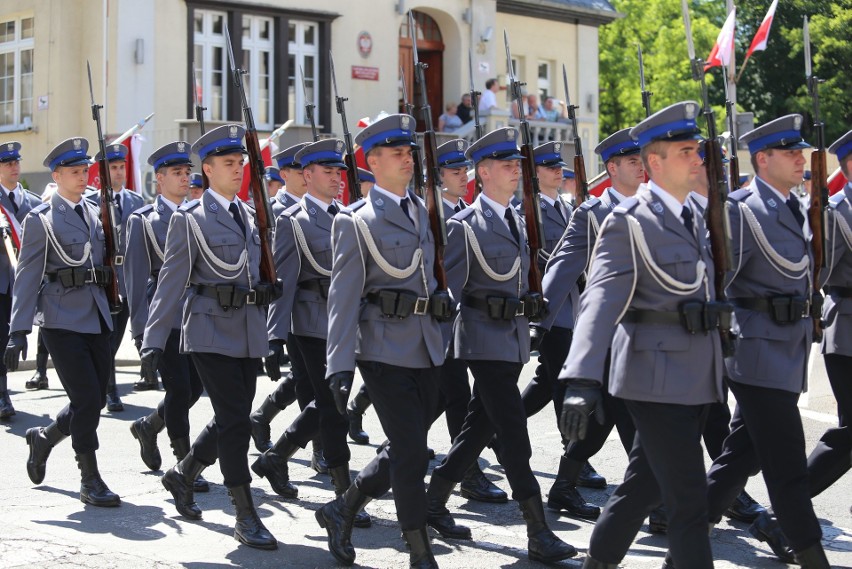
(490, 83)
(657, 147)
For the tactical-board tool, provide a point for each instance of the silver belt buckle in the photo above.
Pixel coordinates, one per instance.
(91, 277)
(119, 260)
(251, 297)
(521, 309)
(421, 306)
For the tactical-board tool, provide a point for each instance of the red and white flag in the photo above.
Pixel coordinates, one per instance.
(721, 53)
(762, 36)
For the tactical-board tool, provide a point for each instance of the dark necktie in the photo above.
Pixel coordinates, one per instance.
(79, 210)
(793, 204)
(686, 216)
(513, 227)
(118, 206)
(558, 205)
(332, 210)
(458, 207)
(403, 203)
(14, 203)
(235, 211)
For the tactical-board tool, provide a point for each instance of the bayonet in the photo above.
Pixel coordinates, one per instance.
(474, 97)
(354, 185)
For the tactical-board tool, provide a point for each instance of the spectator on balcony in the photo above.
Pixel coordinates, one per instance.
(488, 101)
(449, 121)
(533, 108)
(553, 110)
(465, 110)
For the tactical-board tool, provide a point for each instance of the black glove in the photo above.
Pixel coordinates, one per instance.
(274, 359)
(150, 359)
(340, 384)
(582, 397)
(536, 336)
(16, 349)
(137, 341)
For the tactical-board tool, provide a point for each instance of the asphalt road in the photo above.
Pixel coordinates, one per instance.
(47, 525)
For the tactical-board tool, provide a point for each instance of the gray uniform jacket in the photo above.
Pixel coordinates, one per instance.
(571, 259)
(280, 202)
(207, 327)
(656, 363)
(141, 267)
(30, 201)
(767, 354)
(447, 327)
(79, 309)
(837, 310)
(299, 309)
(131, 202)
(359, 330)
(476, 336)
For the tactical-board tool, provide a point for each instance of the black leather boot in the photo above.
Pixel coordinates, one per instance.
(766, 529)
(744, 508)
(355, 413)
(564, 496)
(178, 480)
(437, 514)
(145, 430)
(475, 486)
(114, 404)
(273, 465)
(6, 408)
(39, 378)
(336, 518)
(41, 441)
(146, 384)
(341, 480)
(813, 557)
(658, 521)
(589, 477)
(180, 448)
(590, 563)
(261, 432)
(93, 490)
(318, 462)
(543, 545)
(249, 530)
(419, 549)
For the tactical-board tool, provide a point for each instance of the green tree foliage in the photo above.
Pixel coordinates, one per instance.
(773, 83)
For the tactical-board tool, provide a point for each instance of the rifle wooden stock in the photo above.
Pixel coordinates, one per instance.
(263, 213)
(734, 172)
(352, 179)
(816, 218)
(532, 211)
(581, 183)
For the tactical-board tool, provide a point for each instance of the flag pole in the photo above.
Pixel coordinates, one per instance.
(742, 69)
(732, 65)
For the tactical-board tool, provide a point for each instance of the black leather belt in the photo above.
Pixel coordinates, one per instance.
(840, 291)
(317, 285)
(652, 317)
(782, 309)
(693, 316)
(232, 296)
(399, 303)
(80, 276)
(499, 307)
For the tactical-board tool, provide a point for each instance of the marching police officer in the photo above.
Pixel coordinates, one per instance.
(196, 186)
(650, 295)
(16, 203)
(771, 290)
(294, 184)
(274, 181)
(566, 266)
(487, 262)
(382, 310)
(367, 181)
(59, 281)
(126, 202)
(146, 237)
(213, 249)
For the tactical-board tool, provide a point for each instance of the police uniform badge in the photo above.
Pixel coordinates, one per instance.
(181, 146)
(657, 207)
(213, 207)
(10, 146)
(312, 211)
(510, 134)
(771, 202)
(797, 122)
(557, 146)
(459, 144)
(690, 110)
(78, 143)
(61, 208)
(488, 213)
(233, 131)
(339, 147)
(404, 122)
(380, 202)
(160, 208)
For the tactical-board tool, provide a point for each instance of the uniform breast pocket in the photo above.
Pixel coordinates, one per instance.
(226, 247)
(399, 248)
(790, 249)
(677, 261)
(74, 246)
(500, 257)
(321, 250)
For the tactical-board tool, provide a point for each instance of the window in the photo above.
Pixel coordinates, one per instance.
(543, 79)
(211, 63)
(257, 60)
(16, 74)
(303, 52)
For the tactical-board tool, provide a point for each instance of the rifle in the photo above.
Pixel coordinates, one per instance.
(434, 197)
(733, 160)
(199, 118)
(582, 184)
(646, 94)
(132, 130)
(716, 215)
(349, 159)
(309, 107)
(817, 210)
(111, 255)
(409, 110)
(263, 213)
(532, 209)
(474, 98)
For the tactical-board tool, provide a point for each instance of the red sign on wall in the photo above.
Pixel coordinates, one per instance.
(366, 73)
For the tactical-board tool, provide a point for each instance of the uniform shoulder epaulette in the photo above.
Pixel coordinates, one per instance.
(590, 203)
(740, 194)
(189, 205)
(626, 205)
(292, 210)
(33, 194)
(41, 208)
(249, 207)
(837, 199)
(354, 206)
(465, 213)
(147, 208)
(91, 192)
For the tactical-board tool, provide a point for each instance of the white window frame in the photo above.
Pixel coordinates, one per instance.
(544, 83)
(298, 50)
(255, 46)
(208, 41)
(15, 47)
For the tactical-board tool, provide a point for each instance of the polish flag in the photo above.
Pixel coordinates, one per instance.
(720, 55)
(762, 36)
